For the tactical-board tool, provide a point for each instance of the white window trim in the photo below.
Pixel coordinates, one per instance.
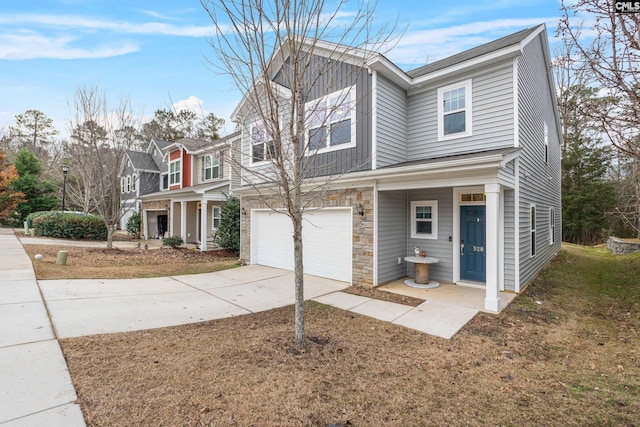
(128, 185)
(178, 172)
(533, 234)
(546, 142)
(214, 217)
(162, 187)
(468, 101)
(349, 92)
(252, 161)
(134, 185)
(434, 219)
(552, 226)
(122, 184)
(212, 167)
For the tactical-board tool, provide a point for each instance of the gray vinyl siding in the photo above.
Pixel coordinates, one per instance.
(127, 198)
(506, 175)
(192, 219)
(233, 174)
(357, 158)
(392, 235)
(175, 217)
(391, 125)
(492, 116)
(509, 241)
(441, 248)
(539, 181)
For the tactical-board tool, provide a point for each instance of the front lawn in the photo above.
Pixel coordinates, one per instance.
(566, 352)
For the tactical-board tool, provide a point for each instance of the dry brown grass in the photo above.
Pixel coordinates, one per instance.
(574, 359)
(94, 263)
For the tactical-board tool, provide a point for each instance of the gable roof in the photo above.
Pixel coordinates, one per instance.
(160, 143)
(142, 161)
(473, 53)
(190, 145)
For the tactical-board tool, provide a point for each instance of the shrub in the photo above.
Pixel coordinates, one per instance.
(35, 215)
(133, 225)
(70, 226)
(172, 242)
(228, 233)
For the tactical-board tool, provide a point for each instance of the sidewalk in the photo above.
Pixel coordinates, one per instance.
(36, 386)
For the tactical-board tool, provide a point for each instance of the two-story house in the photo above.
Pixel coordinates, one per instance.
(460, 157)
(194, 184)
(140, 174)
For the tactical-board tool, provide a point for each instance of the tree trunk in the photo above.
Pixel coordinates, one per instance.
(299, 281)
(109, 237)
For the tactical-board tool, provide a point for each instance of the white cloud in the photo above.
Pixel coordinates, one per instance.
(422, 46)
(30, 45)
(192, 103)
(80, 22)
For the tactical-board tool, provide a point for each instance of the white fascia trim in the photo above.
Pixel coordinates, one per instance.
(280, 90)
(516, 225)
(504, 53)
(374, 121)
(390, 71)
(516, 105)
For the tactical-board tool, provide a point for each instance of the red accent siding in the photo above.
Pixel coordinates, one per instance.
(186, 170)
(174, 155)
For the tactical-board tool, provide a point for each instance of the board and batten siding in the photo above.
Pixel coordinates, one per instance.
(192, 220)
(492, 116)
(392, 235)
(539, 180)
(391, 123)
(441, 248)
(509, 240)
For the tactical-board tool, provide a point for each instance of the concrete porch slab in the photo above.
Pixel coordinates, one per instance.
(38, 379)
(436, 318)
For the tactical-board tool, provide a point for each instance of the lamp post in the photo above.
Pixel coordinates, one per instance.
(65, 171)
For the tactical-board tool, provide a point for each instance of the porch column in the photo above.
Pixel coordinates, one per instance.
(170, 213)
(492, 297)
(203, 226)
(145, 226)
(183, 222)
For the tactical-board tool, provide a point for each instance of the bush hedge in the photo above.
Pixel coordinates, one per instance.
(173, 241)
(69, 226)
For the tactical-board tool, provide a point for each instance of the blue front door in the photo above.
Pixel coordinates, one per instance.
(473, 241)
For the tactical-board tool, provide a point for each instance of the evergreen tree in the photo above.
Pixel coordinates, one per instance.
(39, 195)
(228, 234)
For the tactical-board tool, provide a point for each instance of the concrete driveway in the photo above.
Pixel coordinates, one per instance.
(96, 306)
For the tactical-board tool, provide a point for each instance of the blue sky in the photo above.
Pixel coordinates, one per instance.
(156, 52)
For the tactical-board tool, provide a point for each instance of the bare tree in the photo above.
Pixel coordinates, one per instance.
(283, 55)
(99, 140)
(606, 47)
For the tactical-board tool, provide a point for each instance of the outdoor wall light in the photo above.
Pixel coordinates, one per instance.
(244, 212)
(360, 209)
(166, 207)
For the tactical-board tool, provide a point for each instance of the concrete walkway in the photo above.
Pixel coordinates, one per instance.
(36, 388)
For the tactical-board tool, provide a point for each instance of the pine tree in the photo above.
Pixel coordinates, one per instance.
(39, 195)
(228, 234)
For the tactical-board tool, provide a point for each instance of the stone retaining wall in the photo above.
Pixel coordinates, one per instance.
(618, 246)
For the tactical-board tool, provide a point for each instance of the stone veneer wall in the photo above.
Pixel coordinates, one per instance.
(618, 246)
(362, 226)
(155, 205)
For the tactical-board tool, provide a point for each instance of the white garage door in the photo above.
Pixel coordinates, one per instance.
(326, 235)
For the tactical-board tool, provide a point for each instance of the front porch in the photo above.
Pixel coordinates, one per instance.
(450, 294)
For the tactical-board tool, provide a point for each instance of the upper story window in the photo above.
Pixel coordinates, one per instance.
(128, 187)
(210, 167)
(134, 182)
(424, 219)
(454, 111)
(123, 184)
(331, 121)
(174, 172)
(552, 226)
(164, 181)
(261, 144)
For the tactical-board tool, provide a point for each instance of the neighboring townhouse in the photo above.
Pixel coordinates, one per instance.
(195, 183)
(140, 175)
(460, 157)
